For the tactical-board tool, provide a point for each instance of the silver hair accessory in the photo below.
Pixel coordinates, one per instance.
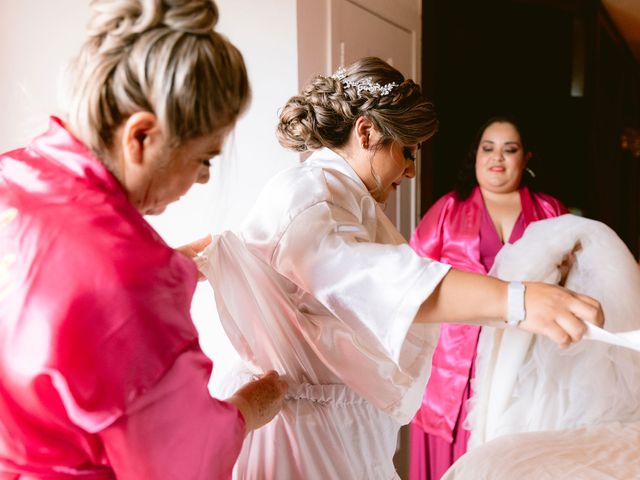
(364, 84)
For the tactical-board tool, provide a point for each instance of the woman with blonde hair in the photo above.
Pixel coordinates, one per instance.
(101, 373)
(321, 287)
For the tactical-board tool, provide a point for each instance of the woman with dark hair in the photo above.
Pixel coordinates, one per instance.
(466, 228)
(467, 179)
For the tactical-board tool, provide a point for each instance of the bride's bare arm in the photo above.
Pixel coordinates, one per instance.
(471, 298)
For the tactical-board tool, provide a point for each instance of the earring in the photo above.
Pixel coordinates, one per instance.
(530, 172)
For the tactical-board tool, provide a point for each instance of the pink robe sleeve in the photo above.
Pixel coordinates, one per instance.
(176, 429)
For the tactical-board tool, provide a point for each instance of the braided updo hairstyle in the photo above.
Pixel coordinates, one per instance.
(160, 56)
(326, 110)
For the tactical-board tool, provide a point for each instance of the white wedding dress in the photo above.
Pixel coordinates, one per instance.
(321, 287)
(525, 383)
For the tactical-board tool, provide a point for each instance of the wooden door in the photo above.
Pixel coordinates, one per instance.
(334, 33)
(375, 36)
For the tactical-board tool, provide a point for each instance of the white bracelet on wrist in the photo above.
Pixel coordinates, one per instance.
(515, 303)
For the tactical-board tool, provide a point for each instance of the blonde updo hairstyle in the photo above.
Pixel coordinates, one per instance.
(160, 56)
(324, 114)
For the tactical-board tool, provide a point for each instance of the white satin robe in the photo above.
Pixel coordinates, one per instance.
(321, 287)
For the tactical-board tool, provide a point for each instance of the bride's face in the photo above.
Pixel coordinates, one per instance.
(392, 164)
(500, 158)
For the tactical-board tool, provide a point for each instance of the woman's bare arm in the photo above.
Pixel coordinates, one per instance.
(471, 298)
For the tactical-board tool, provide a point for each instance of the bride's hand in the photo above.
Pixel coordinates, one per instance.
(193, 249)
(559, 313)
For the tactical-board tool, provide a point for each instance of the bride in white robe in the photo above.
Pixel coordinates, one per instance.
(321, 287)
(306, 291)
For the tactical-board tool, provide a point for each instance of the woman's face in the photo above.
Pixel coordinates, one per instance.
(176, 170)
(500, 158)
(391, 164)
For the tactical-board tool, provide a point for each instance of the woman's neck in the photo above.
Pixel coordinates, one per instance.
(500, 198)
(359, 165)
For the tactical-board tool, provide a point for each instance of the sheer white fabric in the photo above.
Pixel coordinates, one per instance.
(321, 287)
(525, 383)
(630, 339)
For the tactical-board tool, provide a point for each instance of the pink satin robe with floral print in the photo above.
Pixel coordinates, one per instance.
(101, 373)
(449, 233)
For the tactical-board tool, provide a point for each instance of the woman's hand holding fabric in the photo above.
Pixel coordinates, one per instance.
(260, 400)
(193, 249)
(559, 313)
(551, 310)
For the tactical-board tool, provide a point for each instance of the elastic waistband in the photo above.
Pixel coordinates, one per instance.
(327, 394)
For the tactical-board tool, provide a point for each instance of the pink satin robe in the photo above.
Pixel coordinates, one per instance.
(449, 233)
(101, 373)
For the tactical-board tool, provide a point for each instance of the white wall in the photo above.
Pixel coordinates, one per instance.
(33, 50)
(38, 37)
(265, 32)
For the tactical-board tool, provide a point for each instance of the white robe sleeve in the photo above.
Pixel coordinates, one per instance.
(373, 292)
(374, 289)
(322, 303)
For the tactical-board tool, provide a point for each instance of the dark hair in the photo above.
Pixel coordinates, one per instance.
(467, 180)
(324, 113)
